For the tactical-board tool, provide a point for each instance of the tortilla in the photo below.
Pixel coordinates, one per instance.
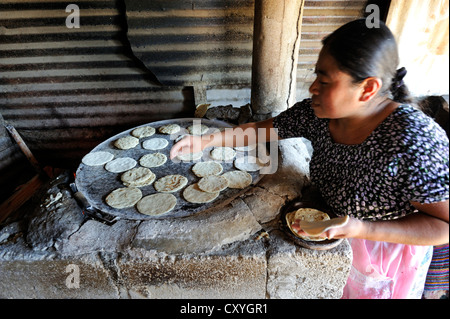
(238, 179)
(169, 129)
(143, 131)
(123, 197)
(153, 160)
(198, 129)
(155, 144)
(126, 143)
(309, 215)
(248, 164)
(120, 165)
(190, 157)
(156, 204)
(138, 177)
(170, 183)
(203, 169)
(195, 195)
(223, 153)
(97, 158)
(245, 148)
(213, 184)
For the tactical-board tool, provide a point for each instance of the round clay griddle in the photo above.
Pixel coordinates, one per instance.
(316, 245)
(95, 183)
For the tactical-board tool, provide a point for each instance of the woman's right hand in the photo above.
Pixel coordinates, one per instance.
(187, 145)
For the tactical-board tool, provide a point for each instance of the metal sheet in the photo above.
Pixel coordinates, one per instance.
(320, 18)
(193, 42)
(66, 90)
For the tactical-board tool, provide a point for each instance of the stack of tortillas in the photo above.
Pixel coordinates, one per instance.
(138, 177)
(309, 215)
(193, 193)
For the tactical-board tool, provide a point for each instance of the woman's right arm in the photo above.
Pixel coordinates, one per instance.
(242, 135)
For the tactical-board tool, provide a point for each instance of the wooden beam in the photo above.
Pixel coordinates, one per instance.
(20, 197)
(24, 148)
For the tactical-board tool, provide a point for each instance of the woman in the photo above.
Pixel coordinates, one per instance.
(383, 163)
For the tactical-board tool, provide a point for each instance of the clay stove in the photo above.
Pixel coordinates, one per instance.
(234, 251)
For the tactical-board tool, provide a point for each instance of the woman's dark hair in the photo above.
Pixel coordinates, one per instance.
(365, 52)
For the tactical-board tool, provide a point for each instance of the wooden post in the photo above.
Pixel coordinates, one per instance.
(276, 43)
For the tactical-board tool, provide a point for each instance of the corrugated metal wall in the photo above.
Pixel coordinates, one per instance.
(320, 18)
(209, 43)
(65, 90)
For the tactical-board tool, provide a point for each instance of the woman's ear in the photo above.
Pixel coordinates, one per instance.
(370, 88)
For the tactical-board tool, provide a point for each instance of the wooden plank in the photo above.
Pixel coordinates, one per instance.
(26, 151)
(20, 197)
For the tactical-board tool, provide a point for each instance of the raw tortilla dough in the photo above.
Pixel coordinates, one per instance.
(203, 169)
(156, 204)
(97, 158)
(154, 144)
(170, 183)
(248, 164)
(213, 184)
(223, 153)
(198, 129)
(153, 160)
(123, 197)
(120, 165)
(190, 157)
(246, 148)
(138, 177)
(238, 179)
(169, 129)
(143, 131)
(195, 195)
(306, 214)
(125, 143)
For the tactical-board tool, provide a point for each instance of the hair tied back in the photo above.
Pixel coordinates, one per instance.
(398, 79)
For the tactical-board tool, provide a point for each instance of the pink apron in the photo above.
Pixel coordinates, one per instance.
(382, 270)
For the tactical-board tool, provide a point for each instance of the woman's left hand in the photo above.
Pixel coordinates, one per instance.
(352, 229)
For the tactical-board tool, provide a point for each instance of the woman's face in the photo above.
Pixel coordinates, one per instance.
(334, 95)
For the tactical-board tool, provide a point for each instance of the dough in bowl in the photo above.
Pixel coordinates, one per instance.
(306, 214)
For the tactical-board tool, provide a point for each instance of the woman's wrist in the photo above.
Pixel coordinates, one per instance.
(362, 229)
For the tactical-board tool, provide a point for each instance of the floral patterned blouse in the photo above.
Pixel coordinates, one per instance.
(404, 159)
